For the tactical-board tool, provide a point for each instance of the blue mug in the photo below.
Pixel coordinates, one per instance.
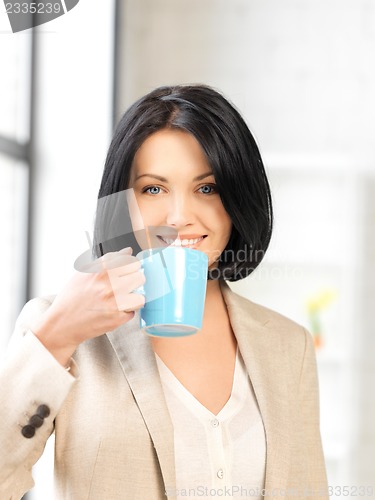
(174, 290)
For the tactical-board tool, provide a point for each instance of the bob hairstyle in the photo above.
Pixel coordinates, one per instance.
(231, 152)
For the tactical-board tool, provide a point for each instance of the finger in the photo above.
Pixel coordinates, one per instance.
(127, 315)
(124, 270)
(123, 285)
(113, 260)
(127, 250)
(131, 302)
(114, 257)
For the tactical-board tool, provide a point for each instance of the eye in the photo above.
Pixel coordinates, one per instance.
(208, 189)
(147, 190)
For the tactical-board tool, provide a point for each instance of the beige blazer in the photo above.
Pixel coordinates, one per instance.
(113, 433)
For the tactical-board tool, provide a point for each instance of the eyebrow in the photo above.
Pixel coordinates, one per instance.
(163, 179)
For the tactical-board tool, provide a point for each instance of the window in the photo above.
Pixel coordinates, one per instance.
(15, 86)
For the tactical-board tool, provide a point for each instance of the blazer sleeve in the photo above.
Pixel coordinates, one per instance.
(33, 386)
(310, 412)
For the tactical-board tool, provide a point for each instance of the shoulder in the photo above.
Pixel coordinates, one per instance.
(259, 313)
(272, 326)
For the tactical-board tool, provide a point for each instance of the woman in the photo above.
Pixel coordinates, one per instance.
(231, 411)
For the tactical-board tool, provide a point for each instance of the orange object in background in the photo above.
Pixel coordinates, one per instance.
(318, 341)
(315, 305)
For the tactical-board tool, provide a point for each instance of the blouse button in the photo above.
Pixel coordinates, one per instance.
(220, 473)
(215, 422)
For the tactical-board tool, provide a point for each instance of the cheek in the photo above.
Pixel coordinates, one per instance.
(226, 230)
(135, 215)
(229, 228)
(152, 213)
(223, 221)
(151, 217)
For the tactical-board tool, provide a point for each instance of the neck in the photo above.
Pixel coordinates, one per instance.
(215, 311)
(213, 292)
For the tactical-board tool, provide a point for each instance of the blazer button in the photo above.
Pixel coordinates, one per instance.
(220, 473)
(28, 431)
(36, 421)
(43, 411)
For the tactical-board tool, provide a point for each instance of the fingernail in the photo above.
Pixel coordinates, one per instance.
(127, 250)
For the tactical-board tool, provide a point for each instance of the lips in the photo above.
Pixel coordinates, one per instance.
(181, 242)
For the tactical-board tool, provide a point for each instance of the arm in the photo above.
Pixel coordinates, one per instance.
(33, 381)
(309, 406)
(33, 386)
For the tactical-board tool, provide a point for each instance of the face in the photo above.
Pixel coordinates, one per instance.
(175, 191)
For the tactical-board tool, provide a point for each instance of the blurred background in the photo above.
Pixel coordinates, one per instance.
(302, 73)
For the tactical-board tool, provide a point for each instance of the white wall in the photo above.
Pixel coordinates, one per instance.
(72, 135)
(302, 71)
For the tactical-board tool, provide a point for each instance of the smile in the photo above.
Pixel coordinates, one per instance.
(181, 243)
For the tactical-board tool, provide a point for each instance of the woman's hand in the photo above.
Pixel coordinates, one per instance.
(92, 303)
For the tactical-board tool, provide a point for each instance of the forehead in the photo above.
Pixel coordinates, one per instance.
(170, 152)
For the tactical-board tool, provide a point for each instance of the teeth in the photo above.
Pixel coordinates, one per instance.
(180, 243)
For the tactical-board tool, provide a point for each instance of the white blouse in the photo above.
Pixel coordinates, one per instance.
(221, 455)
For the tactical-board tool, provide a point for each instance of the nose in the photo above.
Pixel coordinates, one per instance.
(180, 212)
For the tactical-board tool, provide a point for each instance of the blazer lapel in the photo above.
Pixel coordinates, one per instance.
(134, 351)
(261, 349)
